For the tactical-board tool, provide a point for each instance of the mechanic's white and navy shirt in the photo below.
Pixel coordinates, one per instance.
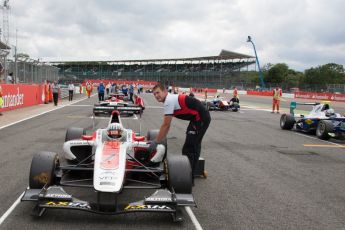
(183, 107)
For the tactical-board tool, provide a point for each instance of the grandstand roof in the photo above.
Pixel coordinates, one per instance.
(224, 55)
(3, 46)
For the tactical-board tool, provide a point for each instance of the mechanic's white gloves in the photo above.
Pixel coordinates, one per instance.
(158, 157)
(152, 147)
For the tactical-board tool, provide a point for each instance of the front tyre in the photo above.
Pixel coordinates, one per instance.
(74, 133)
(43, 169)
(179, 174)
(324, 127)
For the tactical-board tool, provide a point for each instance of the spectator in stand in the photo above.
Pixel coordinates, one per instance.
(100, 90)
(9, 79)
(70, 91)
(56, 89)
(277, 93)
(131, 92)
(1, 100)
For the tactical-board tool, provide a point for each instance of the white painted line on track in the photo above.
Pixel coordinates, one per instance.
(28, 118)
(10, 210)
(315, 138)
(255, 108)
(193, 218)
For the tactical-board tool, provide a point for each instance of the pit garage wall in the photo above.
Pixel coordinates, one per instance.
(19, 95)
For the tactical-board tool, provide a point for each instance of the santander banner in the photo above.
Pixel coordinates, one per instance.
(121, 82)
(18, 96)
(320, 96)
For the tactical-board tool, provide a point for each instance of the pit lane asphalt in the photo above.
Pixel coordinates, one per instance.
(260, 177)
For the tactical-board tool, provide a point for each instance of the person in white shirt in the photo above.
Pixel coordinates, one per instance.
(9, 79)
(70, 91)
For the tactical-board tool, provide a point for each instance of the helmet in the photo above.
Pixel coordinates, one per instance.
(329, 112)
(115, 130)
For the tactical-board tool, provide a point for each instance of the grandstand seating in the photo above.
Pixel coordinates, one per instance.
(212, 71)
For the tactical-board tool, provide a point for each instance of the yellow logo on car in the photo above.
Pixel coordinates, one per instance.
(309, 122)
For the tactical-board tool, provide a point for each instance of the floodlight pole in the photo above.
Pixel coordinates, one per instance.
(257, 61)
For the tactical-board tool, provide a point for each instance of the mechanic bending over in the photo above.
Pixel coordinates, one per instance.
(186, 108)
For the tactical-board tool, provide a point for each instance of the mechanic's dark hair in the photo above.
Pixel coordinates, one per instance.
(159, 86)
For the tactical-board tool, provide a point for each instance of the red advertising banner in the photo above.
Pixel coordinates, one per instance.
(122, 82)
(201, 90)
(16, 96)
(320, 96)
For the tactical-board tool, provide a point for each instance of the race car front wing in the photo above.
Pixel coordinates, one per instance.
(162, 200)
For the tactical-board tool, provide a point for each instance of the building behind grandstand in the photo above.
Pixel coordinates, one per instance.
(211, 71)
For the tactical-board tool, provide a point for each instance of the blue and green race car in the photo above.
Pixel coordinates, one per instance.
(321, 120)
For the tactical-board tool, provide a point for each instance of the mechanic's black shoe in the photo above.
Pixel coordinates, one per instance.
(277, 111)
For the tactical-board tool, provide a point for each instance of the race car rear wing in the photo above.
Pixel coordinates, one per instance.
(293, 105)
(107, 110)
(115, 112)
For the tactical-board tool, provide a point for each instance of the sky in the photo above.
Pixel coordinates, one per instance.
(300, 33)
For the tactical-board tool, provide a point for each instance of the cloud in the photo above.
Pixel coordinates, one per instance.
(301, 33)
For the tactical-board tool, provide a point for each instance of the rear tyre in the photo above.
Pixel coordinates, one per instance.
(287, 121)
(73, 133)
(179, 174)
(323, 128)
(43, 169)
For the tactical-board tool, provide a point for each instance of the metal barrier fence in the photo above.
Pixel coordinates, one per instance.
(32, 71)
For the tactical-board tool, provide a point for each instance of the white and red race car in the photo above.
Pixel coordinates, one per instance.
(110, 167)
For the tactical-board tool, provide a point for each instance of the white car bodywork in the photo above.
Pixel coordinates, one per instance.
(110, 158)
(318, 111)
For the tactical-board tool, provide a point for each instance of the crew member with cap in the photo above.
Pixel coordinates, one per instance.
(185, 108)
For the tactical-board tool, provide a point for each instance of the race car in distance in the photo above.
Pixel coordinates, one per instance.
(321, 120)
(118, 95)
(114, 103)
(219, 103)
(110, 163)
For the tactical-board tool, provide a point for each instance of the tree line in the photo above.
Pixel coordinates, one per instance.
(280, 74)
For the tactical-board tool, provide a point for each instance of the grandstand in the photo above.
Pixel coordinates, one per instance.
(211, 71)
